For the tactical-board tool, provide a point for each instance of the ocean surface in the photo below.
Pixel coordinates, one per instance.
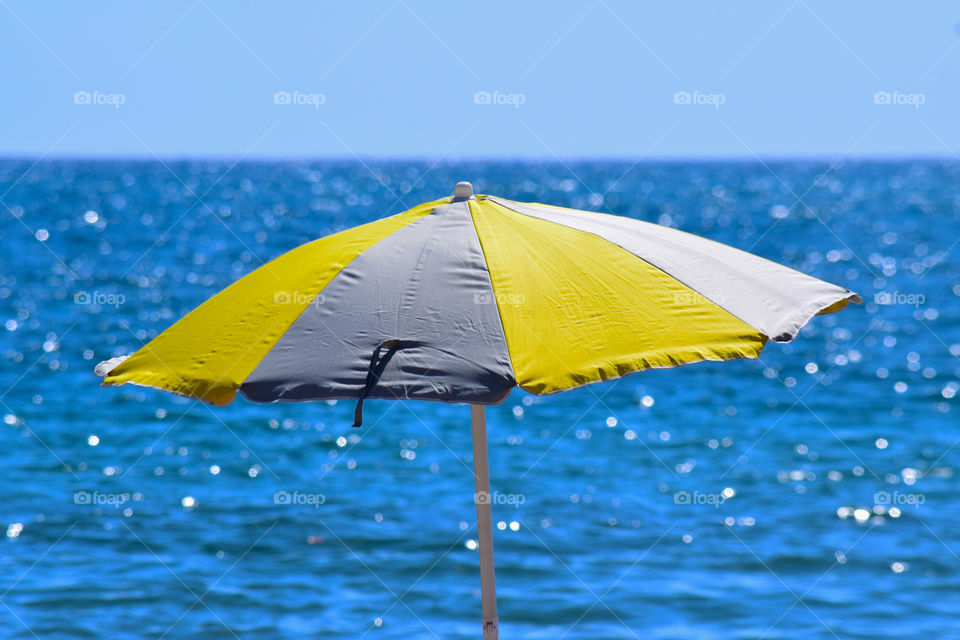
(810, 494)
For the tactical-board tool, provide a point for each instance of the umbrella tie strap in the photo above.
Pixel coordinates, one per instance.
(378, 362)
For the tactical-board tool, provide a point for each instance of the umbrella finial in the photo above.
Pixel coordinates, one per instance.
(462, 191)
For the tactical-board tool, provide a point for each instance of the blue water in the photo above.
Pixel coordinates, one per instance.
(821, 499)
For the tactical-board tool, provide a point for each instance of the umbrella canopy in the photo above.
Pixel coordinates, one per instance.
(461, 299)
(464, 298)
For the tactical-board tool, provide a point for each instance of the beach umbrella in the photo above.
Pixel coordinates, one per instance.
(464, 298)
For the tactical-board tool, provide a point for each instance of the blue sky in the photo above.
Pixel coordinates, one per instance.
(404, 78)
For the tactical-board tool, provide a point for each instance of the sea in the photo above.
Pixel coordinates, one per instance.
(808, 494)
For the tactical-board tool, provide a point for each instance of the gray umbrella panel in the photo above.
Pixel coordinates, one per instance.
(417, 308)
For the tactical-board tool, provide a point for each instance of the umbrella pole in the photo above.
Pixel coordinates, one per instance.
(481, 472)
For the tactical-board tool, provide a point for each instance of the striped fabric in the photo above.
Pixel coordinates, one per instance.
(460, 300)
